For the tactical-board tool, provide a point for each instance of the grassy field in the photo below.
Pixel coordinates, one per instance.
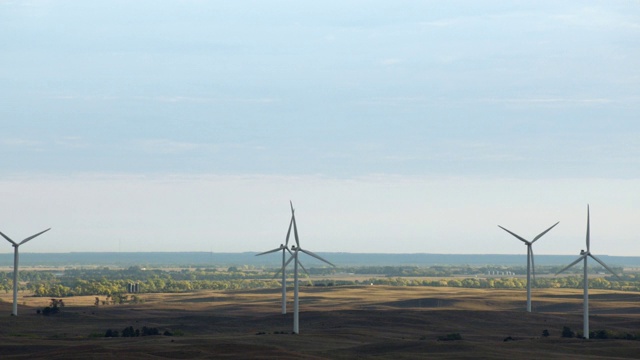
(338, 322)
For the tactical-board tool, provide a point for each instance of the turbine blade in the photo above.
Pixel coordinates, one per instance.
(573, 263)
(303, 268)
(604, 265)
(544, 232)
(289, 231)
(9, 240)
(514, 234)
(33, 236)
(288, 261)
(283, 267)
(295, 225)
(316, 256)
(588, 231)
(277, 273)
(269, 252)
(533, 267)
(295, 231)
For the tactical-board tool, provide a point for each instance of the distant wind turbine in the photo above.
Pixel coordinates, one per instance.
(16, 258)
(584, 255)
(284, 247)
(296, 249)
(530, 263)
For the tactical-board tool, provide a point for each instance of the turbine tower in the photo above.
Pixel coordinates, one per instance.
(284, 247)
(584, 255)
(530, 263)
(296, 249)
(16, 258)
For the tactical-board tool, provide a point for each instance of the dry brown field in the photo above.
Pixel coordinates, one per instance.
(335, 323)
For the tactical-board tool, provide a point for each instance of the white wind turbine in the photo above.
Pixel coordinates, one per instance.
(296, 248)
(583, 257)
(530, 263)
(284, 247)
(16, 258)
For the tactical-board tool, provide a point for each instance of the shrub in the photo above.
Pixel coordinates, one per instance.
(545, 333)
(50, 310)
(567, 332)
(146, 331)
(600, 334)
(610, 334)
(129, 332)
(150, 331)
(450, 337)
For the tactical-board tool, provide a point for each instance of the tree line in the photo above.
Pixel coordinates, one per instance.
(113, 282)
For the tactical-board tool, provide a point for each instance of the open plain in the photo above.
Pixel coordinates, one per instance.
(335, 323)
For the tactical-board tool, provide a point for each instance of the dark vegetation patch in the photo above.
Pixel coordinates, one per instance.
(130, 331)
(54, 307)
(601, 334)
(450, 337)
(421, 303)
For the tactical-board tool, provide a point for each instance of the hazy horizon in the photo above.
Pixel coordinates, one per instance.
(340, 259)
(404, 127)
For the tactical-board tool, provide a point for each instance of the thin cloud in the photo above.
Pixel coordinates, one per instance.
(478, 20)
(401, 101)
(465, 151)
(390, 61)
(195, 99)
(552, 101)
(75, 142)
(85, 97)
(20, 143)
(164, 146)
(168, 146)
(591, 17)
(166, 99)
(441, 23)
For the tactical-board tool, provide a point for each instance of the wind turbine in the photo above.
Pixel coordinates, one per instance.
(296, 249)
(530, 264)
(16, 258)
(583, 257)
(284, 247)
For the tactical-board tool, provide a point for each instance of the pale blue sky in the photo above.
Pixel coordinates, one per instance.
(421, 124)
